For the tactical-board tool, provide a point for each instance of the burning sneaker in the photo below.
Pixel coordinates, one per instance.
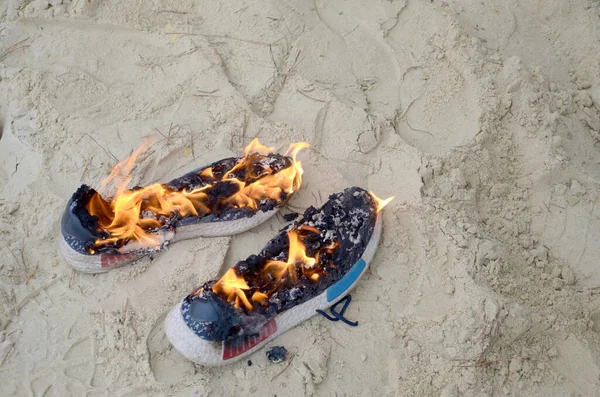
(309, 266)
(224, 198)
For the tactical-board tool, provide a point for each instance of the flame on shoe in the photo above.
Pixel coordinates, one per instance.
(297, 259)
(381, 203)
(129, 214)
(233, 288)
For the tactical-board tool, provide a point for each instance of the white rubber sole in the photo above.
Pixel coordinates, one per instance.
(102, 263)
(208, 353)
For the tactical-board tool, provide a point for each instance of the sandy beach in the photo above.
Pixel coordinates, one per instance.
(481, 118)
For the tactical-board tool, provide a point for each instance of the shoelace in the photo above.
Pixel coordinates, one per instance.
(339, 315)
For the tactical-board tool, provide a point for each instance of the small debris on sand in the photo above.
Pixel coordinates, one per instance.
(276, 354)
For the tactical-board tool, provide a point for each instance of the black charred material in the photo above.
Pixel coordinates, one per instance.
(214, 319)
(271, 163)
(290, 217)
(209, 316)
(261, 165)
(192, 180)
(78, 227)
(251, 265)
(276, 354)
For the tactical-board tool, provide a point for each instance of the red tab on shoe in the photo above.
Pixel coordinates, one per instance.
(235, 347)
(108, 260)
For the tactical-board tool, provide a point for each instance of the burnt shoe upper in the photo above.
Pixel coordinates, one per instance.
(81, 230)
(345, 222)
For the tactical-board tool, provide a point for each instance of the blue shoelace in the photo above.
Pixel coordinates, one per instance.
(339, 315)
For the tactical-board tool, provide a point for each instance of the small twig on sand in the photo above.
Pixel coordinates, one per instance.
(227, 37)
(85, 168)
(286, 367)
(246, 122)
(13, 255)
(72, 277)
(184, 34)
(124, 319)
(192, 143)
(205, 93)
(13, 48)
(174, 12)
(171, 130)
(188, 52)
(168, 135)
(308, 96)
(273, 57)
(29, 277)
(102, 147)
(125, 311)
(17, 164)
(323, 20)
(23, 257)
(163, 135)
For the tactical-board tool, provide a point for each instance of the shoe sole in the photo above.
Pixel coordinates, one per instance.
(101, 263)
(208, 353)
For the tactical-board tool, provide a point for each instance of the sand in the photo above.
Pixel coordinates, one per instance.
(482, 118)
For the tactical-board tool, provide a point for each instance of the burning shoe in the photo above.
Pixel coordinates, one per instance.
(224, 198)
(308, 266)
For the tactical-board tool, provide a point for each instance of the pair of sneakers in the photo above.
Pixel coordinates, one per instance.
(310, 265)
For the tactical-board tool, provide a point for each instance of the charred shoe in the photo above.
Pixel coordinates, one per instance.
(224, 198)
(310, 265)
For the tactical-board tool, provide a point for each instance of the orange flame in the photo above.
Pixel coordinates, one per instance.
(296, 258)
(122, 171)
(233, 287)
(381, 203)
(256, 147)
(275, 272)
(130, 213)
(271, 185)
(259, 297)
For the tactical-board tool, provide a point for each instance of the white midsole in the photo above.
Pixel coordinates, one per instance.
(93, 263)
(208, 353)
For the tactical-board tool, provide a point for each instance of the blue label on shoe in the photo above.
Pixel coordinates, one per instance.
(339, 288)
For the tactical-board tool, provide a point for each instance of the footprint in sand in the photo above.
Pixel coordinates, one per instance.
(443, 112)
(168, 366)
(570, 224)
